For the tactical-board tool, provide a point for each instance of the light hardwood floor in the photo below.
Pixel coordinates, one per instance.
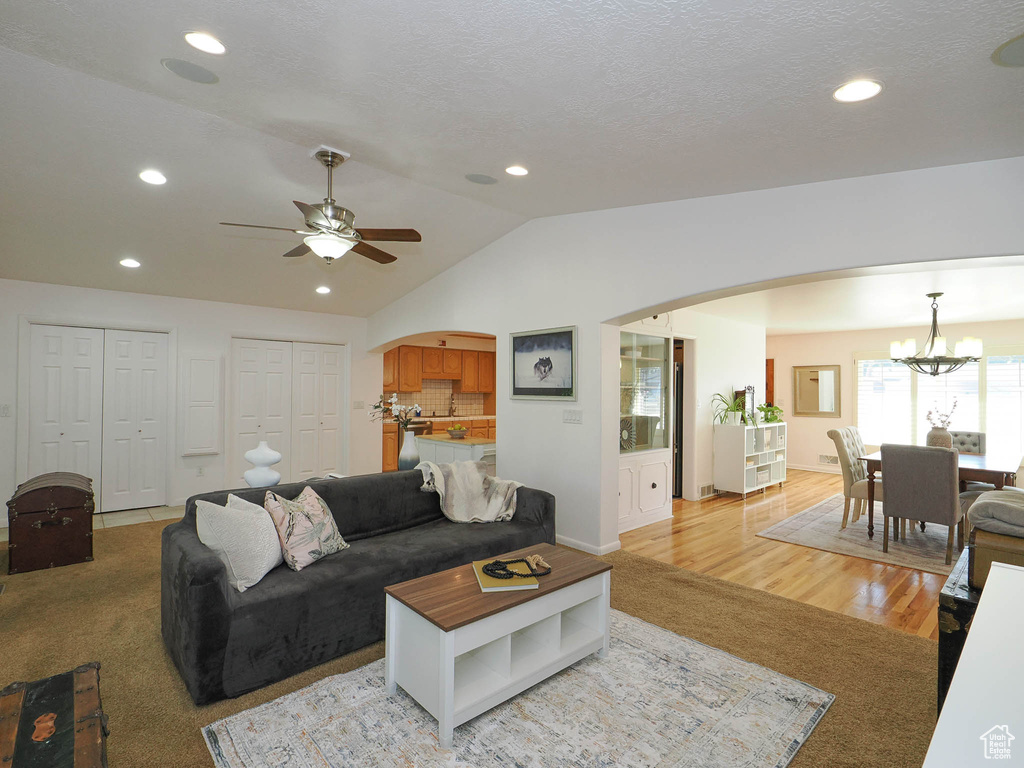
(718, 536)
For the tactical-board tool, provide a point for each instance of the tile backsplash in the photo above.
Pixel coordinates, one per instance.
(436, 397)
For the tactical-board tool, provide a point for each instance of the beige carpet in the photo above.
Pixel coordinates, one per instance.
(109, 611)
(820, 527)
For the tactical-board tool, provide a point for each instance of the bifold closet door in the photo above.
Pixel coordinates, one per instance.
(261, 403)
(134, 420)
(317, 376)
(66, 401)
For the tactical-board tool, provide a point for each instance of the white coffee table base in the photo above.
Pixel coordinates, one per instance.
(458, 675)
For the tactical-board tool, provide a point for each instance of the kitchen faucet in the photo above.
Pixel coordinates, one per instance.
(451, 408)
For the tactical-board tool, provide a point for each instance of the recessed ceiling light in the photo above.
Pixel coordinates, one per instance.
(1010, 53)
(189, 71)
(857, 90)
(481, 178)
(323, 289)
(516, 170)
(151, 176)
(130, 263)
(205, 43)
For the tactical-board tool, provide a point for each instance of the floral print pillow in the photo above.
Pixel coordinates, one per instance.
(305, 527)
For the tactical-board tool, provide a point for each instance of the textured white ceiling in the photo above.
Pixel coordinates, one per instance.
(974, 290)
(608, 103)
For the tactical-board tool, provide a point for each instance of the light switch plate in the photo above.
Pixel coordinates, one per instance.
(572, 416)
(357, 405)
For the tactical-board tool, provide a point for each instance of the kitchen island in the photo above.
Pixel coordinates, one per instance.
(444, 449)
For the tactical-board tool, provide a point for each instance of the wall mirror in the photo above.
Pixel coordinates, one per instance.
(816, 390)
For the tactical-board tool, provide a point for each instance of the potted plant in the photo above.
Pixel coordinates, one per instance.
(728, 408)
(770, 414)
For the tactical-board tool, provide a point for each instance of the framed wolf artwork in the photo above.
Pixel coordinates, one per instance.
(543, 364)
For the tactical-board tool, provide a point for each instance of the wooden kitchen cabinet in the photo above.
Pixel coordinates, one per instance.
(390, 370)
(486, 372)
(389, 458)
(452, 363)
(433, 362)
(470, 381)
(492, 428)
(410, 369)
(478, 428)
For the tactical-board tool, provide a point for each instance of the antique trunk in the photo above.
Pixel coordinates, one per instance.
(50, 519)
(957, 603)
(987, 548)
(54, 723)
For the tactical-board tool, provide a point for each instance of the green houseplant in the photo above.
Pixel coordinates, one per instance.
(724, 405)
(770, 414)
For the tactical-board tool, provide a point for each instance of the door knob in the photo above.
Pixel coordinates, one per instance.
(654, 485)
(140, 431)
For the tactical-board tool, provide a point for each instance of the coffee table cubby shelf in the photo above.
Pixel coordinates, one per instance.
(458, 674)
(748, 458)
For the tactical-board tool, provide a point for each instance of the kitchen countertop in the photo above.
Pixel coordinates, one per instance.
(456, 419)
(464, 441)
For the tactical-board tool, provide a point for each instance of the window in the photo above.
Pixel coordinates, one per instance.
(883, 402)
(1004, 404)
(893, 402)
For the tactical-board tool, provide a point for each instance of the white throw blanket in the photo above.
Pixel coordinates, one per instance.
(999, 512)
(468, 494)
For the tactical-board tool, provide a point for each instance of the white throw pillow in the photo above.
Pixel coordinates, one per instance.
(244, 537)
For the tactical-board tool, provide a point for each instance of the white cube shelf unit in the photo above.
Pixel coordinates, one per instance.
(749, 458)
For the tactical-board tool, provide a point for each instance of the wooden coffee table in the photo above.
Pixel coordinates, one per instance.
(459, 651)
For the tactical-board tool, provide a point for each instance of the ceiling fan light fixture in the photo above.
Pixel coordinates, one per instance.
(328, 247)
(206, 43)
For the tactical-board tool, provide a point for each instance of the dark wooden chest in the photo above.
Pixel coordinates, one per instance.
(54, 723)
(50, 519)
(957, 603)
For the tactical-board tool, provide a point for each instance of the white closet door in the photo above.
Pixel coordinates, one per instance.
(261, 403)
(66, 401)
(317, 377)
(134, 420)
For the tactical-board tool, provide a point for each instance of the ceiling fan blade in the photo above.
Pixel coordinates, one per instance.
(260, 226)
(313, 215)
(376, 254)
(394, 235)
(299, 250)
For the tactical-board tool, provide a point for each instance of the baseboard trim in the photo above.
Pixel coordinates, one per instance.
(589, 548)
(825, 470)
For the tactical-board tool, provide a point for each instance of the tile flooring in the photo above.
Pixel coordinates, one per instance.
(127, 517)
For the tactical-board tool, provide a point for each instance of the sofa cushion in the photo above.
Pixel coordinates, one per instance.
(305, 527)
(244, 538)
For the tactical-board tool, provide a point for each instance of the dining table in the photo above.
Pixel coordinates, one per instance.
(998, 469)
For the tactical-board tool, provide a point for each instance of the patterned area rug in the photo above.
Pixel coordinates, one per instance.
(820, 527)
(658, 699)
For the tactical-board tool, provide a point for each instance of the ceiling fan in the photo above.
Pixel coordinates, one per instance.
(331, 231)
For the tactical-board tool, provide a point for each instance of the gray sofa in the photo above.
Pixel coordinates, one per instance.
(226, 643)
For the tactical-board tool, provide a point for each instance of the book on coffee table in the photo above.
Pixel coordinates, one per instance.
(491, 584)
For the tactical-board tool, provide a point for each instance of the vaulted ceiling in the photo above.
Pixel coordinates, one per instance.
(607, 103)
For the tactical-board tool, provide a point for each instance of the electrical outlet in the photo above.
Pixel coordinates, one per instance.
(358, 405)
(572, 416)
(5, 411)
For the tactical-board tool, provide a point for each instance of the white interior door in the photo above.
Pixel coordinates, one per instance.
(66, 401)
(261, 406)
(317, 377)
(134, 420)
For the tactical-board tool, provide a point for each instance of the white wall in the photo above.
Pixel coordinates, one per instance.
(806, 434)
(201, 327)
(590, 268)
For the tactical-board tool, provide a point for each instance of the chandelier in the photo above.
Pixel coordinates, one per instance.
(932, 359)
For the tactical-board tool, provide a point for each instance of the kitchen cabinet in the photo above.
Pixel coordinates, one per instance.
(390, 370)
(478, 428)
(470, 381)
(486, 372)
(492, 428)
(389, 459)
(433, 362)
(452, 364)
(410, 369)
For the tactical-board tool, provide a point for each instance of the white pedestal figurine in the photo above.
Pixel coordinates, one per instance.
(262, 457)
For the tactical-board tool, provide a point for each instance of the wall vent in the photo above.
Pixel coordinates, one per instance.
(707, 490)
(824, 459)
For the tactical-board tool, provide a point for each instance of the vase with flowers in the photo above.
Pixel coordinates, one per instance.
(386, 410)
(939, 435)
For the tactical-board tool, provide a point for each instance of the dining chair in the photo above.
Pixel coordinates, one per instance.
(849, 448)
(974, 443)
(922, 483)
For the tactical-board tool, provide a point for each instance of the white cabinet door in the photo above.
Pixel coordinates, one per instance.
(261, 405)
(654, 485)
(134, 420)
(625, 492)
(66, 401)
(317, 377)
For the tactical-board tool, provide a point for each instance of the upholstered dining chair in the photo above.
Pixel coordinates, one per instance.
(849, 447)
(921, 483)
(971, 442)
